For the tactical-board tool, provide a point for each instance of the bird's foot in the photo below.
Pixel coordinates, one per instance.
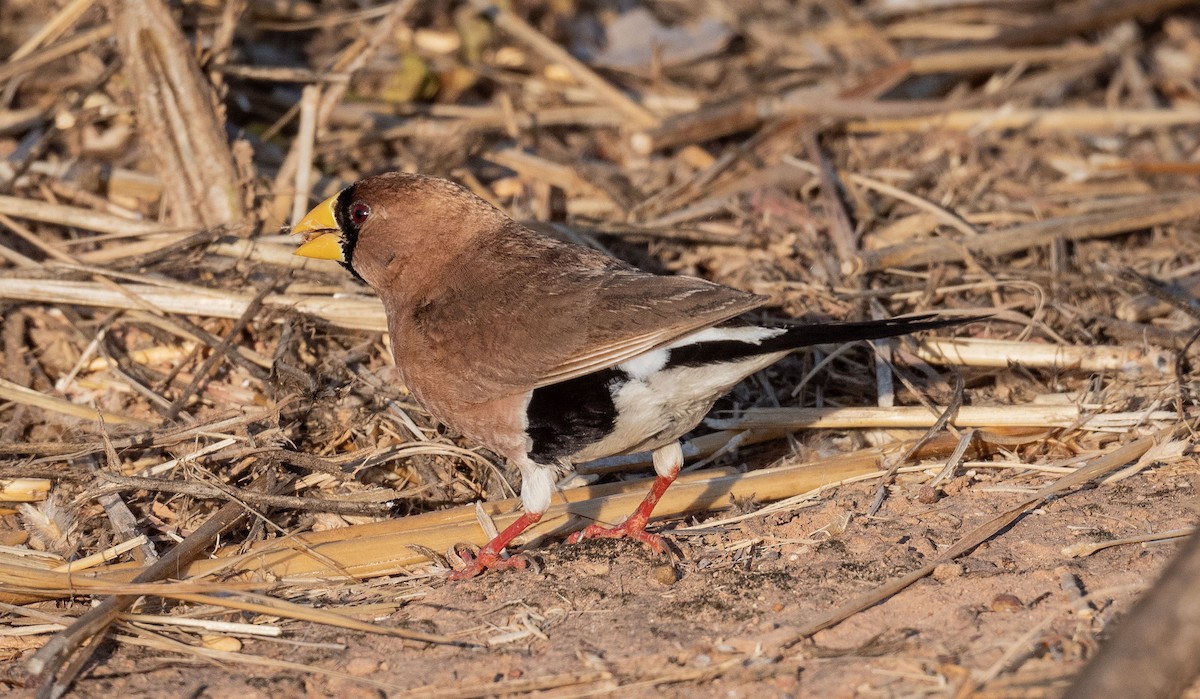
(633, 528)
(486, 559)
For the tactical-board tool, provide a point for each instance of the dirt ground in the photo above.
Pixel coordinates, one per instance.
(607, 617)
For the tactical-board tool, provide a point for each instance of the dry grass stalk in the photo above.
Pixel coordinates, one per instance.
(53, 29)
(162, 643)
(22, 582)
(1081, 550)
(911, 418)
(77, 217)
(601, 681)
(206, 624)
(54, 52)
(1003, 353)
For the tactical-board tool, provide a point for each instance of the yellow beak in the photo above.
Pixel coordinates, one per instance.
(319, 227)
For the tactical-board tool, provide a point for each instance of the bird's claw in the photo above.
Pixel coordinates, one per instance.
(631, 528)
(485, 559)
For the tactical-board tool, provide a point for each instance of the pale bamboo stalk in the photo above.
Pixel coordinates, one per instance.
(358, 314)
(149, 244)
(382, 548)
(983, 417)
(24, 489)
(1038, 120)
(22, 583)
(1002, 353)
(900, 417)
(31, 630)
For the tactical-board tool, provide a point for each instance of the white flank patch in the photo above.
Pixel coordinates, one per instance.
(657, 409)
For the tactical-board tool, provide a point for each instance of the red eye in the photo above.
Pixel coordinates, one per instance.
(359, 212)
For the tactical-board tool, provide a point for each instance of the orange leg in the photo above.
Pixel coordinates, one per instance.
(489, 556)
(667, 462)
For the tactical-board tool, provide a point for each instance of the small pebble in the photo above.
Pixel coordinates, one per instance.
(666, 574)
(927, 495)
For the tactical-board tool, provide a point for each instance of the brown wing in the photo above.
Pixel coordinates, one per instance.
(529, 311)
(634, 312)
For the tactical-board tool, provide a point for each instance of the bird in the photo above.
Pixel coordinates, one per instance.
(545, 352)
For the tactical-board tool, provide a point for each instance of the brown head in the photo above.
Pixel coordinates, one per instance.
(397, 230)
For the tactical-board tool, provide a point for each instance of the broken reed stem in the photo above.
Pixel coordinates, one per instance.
(177, 115)
(382, 548)
(358, 314)
(47, 661)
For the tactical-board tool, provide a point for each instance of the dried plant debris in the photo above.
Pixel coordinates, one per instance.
(206, 437)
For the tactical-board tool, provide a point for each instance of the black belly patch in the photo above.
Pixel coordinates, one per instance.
(568, 416)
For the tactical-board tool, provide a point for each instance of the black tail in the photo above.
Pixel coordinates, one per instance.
(828, 333)
(713, 351)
